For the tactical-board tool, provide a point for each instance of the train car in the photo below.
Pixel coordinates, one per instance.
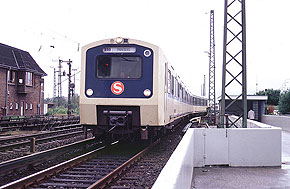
(129, 90)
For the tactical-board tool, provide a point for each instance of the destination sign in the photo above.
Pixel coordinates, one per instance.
(119, 50)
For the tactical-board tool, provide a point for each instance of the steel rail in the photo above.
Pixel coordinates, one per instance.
(102, 183)
(37, 177)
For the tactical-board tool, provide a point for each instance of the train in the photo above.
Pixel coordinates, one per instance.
(130, 91)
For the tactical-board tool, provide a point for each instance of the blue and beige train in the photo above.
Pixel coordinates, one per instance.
(129, 89)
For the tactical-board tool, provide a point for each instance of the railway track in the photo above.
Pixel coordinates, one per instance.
(15, 147)
(25, 166)
(101, 165)
(112, 167)
(7, 143)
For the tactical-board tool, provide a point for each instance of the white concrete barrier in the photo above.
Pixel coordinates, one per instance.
(178, 171)
(257, 145)
(254, 147)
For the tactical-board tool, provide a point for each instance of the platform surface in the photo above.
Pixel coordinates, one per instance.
(262, 177)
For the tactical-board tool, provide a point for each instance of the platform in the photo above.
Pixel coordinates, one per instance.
(183, 172)
(250, 177)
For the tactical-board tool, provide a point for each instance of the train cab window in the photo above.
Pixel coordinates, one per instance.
(119, 67)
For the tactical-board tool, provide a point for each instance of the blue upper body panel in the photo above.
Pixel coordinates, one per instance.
(133, 88)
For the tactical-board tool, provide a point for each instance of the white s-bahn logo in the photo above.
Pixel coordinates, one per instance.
(117, 87)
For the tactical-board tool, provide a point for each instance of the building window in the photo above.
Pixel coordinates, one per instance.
(26, 106)
(28, 78)
(16, 106)
(31, 106)
(11, 77)
(11, 105)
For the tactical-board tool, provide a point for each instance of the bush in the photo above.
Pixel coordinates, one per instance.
(284, 103)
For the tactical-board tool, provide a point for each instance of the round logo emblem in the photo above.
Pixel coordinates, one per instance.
(117, 87)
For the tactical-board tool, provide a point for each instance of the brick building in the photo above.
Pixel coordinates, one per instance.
(21, 83)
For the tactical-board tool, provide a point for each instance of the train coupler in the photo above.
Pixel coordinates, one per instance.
(117, 119)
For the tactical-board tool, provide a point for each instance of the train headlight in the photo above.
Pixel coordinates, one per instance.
(147, 92)
(119, 40)
(147, 53)
(90, 92)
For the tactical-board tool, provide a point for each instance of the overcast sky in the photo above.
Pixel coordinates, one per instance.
(180, 28)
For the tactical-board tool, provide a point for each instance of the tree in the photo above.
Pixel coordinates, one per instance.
(284, 103)
(62, 101)
(273, 96)
(62, 109)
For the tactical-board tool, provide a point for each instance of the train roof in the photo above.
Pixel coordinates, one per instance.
(120, 40)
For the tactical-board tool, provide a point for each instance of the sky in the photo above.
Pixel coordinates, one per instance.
(181, 28)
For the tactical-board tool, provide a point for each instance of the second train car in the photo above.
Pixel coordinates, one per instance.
(129, 90)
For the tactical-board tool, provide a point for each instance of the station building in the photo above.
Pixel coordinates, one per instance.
(21, 83)
(254, 102)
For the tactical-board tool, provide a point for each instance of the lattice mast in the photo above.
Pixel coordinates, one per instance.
(54, 83)
(59, 80)
(211, 88)
(234, 61)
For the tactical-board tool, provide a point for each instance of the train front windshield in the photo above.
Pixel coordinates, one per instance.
(118, 67)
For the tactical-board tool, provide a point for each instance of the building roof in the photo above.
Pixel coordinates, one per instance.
(17, 59)
(249, 97)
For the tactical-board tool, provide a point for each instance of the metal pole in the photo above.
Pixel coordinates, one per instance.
(69, 88)
(32, 145)
(59, 83)
(245, 108)
(222, 111)
(54, 83)
(6, 92)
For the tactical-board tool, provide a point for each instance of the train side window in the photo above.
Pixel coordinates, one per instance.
(183, 94)
(178, 90)
(172, 85)
(176, 87)
(169, 82)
